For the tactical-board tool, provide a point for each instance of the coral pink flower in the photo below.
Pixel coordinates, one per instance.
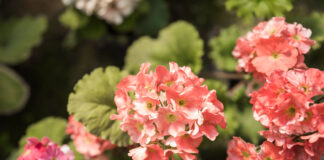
(238, 149)
(299, 37)
(185, 143)
(318, 110)
(149, 152)
(269, 151)
(271, 46)
(86, 143)
(170, 122)
(274, 54)
(309, 82)
(285, 105)
(169, 108)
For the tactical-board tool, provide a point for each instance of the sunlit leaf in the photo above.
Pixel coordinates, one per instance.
(92, 103)
(222, 47)
(249, 127)
(13, 90)
(19, 36)
(73, 19)
(179, 42)
(259, 8)
(221, 87)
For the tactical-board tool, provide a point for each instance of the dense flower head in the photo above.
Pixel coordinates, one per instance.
(113, 11)
(271, 46)
(167, 107)
(238, 149)
(89, 145)
(45, 150)
(285, 106)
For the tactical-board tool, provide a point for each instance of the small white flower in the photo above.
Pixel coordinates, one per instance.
(113, 11)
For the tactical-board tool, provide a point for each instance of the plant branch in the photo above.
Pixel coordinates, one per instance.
(223, 75)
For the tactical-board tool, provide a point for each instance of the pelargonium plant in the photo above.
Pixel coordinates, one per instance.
(285, 104)
(167, 112)
(89, 145)
(273, 45)
(45, 150)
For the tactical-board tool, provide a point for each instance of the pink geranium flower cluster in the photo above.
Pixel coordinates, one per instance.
(273, 45)
(45, 150)
(238, 149)
(167, 112)
(89, 145)
(285, 105)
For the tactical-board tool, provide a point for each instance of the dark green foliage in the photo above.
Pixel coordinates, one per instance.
(19, 36)
(13, 90)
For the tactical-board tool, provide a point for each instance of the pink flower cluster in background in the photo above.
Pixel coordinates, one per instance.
(285, 105)
(273, 52)
(273, 45)
(167, 112)
(45, 150)
(89, 145)
(238, 149)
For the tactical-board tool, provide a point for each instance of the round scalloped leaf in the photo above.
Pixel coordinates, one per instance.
(246, 120)
(222, 47)
(92, 103)
(140, 51)
(13, 90)
(19, 36)
(179, 42)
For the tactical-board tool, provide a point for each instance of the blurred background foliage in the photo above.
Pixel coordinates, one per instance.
(46, 47)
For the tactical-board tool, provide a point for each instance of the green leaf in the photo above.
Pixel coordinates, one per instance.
(315, 22)
(73, 19)
(232, 119)
(93, 30)
(13, 90)
(92, 103)
(179, 42)
(14, 154)
(221, 88)
(249, 127)
(259, 8)
(156, 18)
(51, 127)
(140, 51)
(77, 155)
(222, 47)
(19, 36)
